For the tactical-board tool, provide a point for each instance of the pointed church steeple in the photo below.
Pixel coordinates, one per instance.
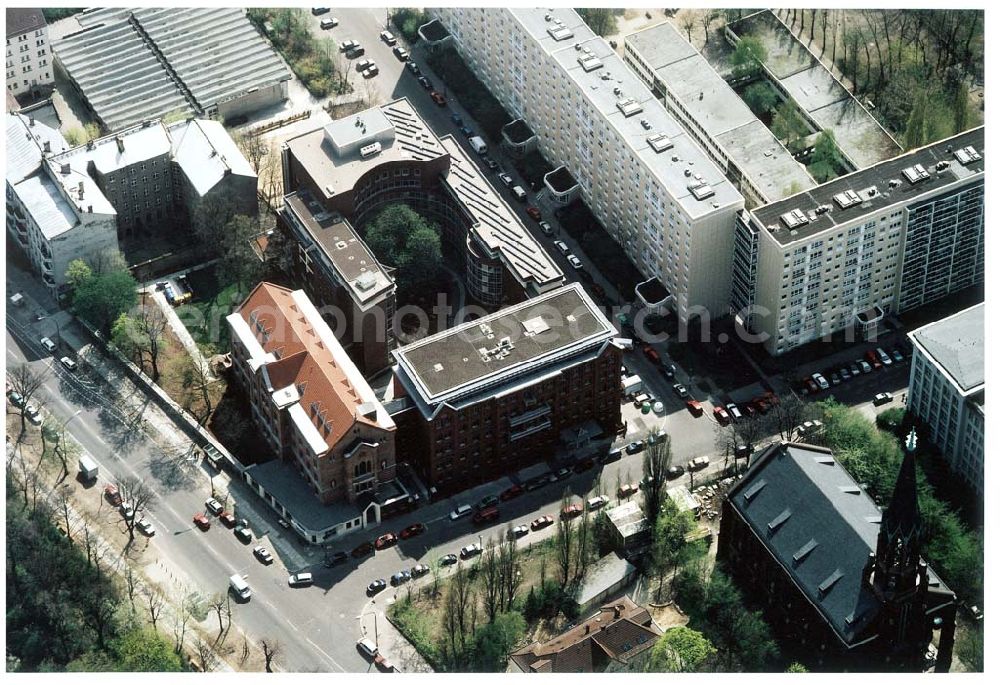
(898, 569)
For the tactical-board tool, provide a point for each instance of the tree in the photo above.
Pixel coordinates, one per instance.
(139, 335)
(104, 295)
(210, 217)
(491, 573)
(564, 541)
(196, 382)
(600, 21)
(960, 107)
(670, 546)
(510, 571)
(402, 238)
(271, 649)
(238, 262)
(913, 137)
(784, 417)
(825, 158)
(25, 381)
(687, 20)
(760, 97)
(458, 619)
(679, 650)
(77, 272)
(706, 19)
(796, 667)
(748, 58)
(655, 475)
(140, 496)
(497, 639)
(787, 125)
(969, 647)
(254, 147)
(143, 649)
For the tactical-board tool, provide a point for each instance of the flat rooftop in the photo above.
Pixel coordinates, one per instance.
(877, 187)
(512, 341)
(495, 225)
(720, 112)
(625, 102)
(332, 155)
(958, 345)
(346, 251)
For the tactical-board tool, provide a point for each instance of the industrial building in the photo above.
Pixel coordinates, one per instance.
(614, 146)
(883, 240)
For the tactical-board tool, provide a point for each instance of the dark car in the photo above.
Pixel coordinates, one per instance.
(675, 472)
(334, 559)
(376, 586)
(412, 66)
(363, 549)
(486, 515)
(492, 163)
(563, 474)
(438, 99)
(243, 535)
(634, 447)
(425, 82)
(448, 560)
(584, 465)
(401, 577)
(420, 570)
(536, 483)
(612, 455)
(412, 531)
(534, 212)
(511, 492)
(487, 502)
(467, 132)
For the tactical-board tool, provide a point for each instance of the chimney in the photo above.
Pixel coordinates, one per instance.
(31, 121)
(586, 629)
(46, 147)
(618, 610)
(79, 188)
(90, 209)
(121, 143)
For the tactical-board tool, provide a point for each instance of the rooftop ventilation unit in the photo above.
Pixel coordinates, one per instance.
(701, 190)
(365, 281)
(794, 218)
(646, 125)
(589, 61)
(846, 199)
(371, 150)
(916, 173)
(967, 155)
(659, 142)
(560, 32)
(629, 107)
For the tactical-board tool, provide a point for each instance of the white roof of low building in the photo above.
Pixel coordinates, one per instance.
(46, 204)
(204, 151)
(957, 345)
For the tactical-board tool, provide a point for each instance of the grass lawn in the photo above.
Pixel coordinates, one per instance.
(205, 316)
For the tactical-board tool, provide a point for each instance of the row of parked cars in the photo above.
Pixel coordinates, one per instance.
(872, 360)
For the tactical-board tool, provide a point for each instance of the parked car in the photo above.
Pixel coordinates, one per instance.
(882, 398)
(243, 534)
(833, 376)
(511, 492)
(303, 579)
(534, 212)
(459, 512)
(627, 490)
(865, 366)
(697, 463)
(146, 528)
(201, 521)
(320, 10)
(213, 506)
(335, 558)
(819, 380)
(491, 164)
(854, 368)
(467, 132)
(535, 483)
(111, 494)
(31, 411)
(412, 530)
(612, 455)
(400, 577)
(883, 357)
(425, 82)
(845, 375)
(387, 38)
(68, 363)
(386, 540)
(16, 399)
(420, 570)
(127, 511)
(327, 24)
(401, 53)
(448, 560)
(542, 522)
(488, 501)
(456, 119)
(668, 371)
(363, 64)
(749, 409)
(413, 67)
(561, 246)
(545, 227)
(228, 519)
(597, 502)
(694, 406)
(348, 44)
(574, 261)
(376, 586)
(635, 447)
(561, 474)
(368, 648)
(48, 344)
(651, 354)
(721, 415)
(470, 550)
(873, 359)
(518, 531)
(364, 549)
(438, 99)
(681, 391)
(263, 556)
(486, 515)
(897, 355)
(674, 472)
(371, 71)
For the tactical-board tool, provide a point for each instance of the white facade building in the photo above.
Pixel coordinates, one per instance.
(883, 240)
(948, 389)
(637, 169)
(29, 59)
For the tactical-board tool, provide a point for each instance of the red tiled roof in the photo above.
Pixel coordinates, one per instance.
(304, 360)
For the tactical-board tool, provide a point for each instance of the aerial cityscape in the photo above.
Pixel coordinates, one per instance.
(495, 340)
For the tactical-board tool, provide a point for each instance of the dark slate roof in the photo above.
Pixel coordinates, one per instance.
(23, 19)
(821, 527)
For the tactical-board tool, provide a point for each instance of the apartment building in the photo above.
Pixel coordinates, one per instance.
(313, 407)
(494, 395)
(883, 240)
(29, 62)
(715, 115)
(948, 389)
(51, 224)
(639, 171)
(344, 173)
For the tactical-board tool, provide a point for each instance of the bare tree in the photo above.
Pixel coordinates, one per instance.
(253, 145)
(812, 25)
(706, 19)
(824, 19)
(182, 616)
(131, 585)
(245, 651)
(789, 413)
(196, 381)
(584, 542)
(154, 605)
(25, 381)
(271, 649)
(206, 654)
(510, 571)
(491, 572)
(218, 604)
(688, 20)
(564, 541)
(655, 472)
(140, 496)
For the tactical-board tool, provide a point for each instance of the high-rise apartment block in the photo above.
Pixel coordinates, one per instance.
(29, 59)
(883, 240)
(614, 145)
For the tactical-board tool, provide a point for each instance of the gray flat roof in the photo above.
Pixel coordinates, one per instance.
(292, 491)
(215, 52)
(820, 526)
(512, 341)
(958, 345)
(599, 85)
(720, 112)
(891, 187)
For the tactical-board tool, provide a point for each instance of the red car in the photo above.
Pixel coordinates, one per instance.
(486, 515)
(228, 519)
(651, 354)
(364, 549)
(111, 494)
(721, 415)
(535, 213)
(387, 540)
(202, 521)
(542, 521)
(412, 531)
(438, 98)
(694, 406)
(511, 492)
(572, 511)
(810, 386)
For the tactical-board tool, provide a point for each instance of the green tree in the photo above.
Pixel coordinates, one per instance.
(144, 649)
(655, 475)
(139, 335)
(960, 107)
(914, 135)
(496, 640)
(825, 157)
(748, 58)
(760, 97)
(969, 647)
(796, 667)
(238, 262)
(103, 296)
(670, 546)
(787, 125)
(77, 272)
(402, 238)
(600, 20)
(679, 650)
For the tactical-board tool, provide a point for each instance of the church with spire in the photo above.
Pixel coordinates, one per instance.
(840, 580)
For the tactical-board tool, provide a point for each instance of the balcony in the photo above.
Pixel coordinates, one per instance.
(655, 297)
(562, 187)
(866, 322)
(518, 139)
(435, 35)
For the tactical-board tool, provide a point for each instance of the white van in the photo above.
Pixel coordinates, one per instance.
(463, 510)
(519, 193)
(239, 586)
(478, 144)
